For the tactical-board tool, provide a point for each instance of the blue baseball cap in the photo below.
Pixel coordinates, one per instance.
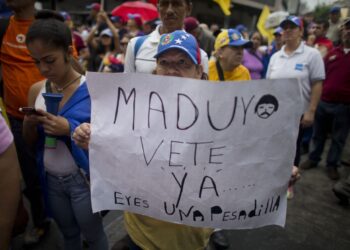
(231, 37)
(65, 15)
(180, 40)
(292, 20)
(241, 28)
(334, 9)
(116, 19)
(278, 31)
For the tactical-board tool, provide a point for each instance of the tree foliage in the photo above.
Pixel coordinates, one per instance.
(321, 11)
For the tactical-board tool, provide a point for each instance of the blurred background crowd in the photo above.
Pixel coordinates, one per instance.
(102, 30)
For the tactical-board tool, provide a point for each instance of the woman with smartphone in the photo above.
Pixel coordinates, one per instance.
(64, 167)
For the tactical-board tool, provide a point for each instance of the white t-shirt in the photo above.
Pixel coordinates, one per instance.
(305, 64)
(145, 61)
(59, 160)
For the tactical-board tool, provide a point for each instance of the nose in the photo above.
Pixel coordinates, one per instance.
(170, 8)
(43, 68)
(172, 71)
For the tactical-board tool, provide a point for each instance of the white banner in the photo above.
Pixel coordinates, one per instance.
(191, 151)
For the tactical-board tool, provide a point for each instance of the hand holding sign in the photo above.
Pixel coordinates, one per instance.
(81, 135)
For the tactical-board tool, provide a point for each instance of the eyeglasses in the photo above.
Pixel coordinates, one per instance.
(181, 65)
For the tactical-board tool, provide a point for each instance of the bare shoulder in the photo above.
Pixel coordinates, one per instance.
(34, 91)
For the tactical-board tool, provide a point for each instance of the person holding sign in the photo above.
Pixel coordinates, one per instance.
(178, 55)
(229, 46)
(297, 60)
(64, 167)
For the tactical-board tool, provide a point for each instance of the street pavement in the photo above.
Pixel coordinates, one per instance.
(315, 221)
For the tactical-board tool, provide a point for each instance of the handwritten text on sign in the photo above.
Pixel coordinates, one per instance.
(191, 151)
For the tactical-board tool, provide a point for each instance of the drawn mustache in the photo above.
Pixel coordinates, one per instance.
(265, 113)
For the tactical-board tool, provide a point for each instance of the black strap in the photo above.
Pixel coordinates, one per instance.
(220, 71)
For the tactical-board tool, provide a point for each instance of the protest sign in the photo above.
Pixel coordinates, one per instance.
(193, 152)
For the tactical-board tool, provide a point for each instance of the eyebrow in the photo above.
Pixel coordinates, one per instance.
(40, 58)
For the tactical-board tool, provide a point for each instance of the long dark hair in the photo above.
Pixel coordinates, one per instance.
(49, 27)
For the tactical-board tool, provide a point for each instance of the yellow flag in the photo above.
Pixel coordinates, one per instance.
(3, 112)
(225, 6)
(268, 33)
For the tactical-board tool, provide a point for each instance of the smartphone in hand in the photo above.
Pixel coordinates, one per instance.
(28, 110)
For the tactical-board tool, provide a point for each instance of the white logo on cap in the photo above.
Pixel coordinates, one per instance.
(235, 37)
(178, 41)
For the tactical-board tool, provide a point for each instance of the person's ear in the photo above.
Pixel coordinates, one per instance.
(199, 71)
(218, 53)
(70, 50)
(69, 53)
(156, 70)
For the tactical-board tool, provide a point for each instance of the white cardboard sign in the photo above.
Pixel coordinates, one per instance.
(191, 151)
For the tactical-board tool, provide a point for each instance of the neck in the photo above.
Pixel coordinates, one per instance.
(291, 46)
(227, 67)
(25, 13)
(165, 30)
(69, 77)
(107, 48)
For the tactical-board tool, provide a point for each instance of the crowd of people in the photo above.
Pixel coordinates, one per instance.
(45, 53)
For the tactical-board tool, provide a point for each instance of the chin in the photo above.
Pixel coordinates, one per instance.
(51, 78)
(172, 24)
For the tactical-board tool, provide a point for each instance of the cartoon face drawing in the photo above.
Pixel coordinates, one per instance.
(266, 106)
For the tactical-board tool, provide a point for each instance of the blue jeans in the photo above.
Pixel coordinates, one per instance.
(333, 118)
(70, 204)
